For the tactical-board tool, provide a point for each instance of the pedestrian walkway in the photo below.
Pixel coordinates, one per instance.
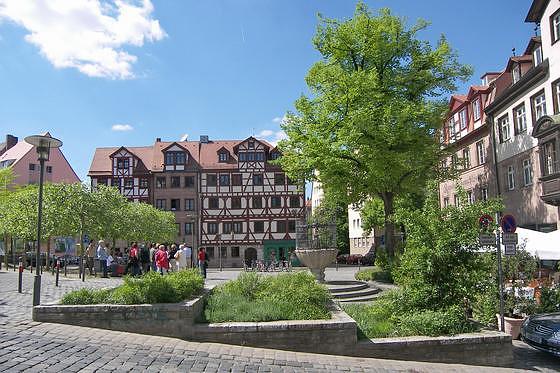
(31, 346)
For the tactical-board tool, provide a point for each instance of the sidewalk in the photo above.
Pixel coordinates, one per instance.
(30, 346)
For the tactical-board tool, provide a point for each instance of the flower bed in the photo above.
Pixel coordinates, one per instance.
(150, 288)
(252, 297)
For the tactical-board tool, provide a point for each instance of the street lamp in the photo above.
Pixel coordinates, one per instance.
(219, 238)
(43, 145)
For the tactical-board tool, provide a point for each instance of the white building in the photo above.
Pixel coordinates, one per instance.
(360, 242)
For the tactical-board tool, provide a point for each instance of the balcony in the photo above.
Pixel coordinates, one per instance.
(551, 184)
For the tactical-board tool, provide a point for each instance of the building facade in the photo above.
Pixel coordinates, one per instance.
(467, 137)
(360, 242)
(227, 196)
(21, 157)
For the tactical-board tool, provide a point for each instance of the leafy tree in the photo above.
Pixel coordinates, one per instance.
(370, 126)
(334, 209)
(440, 266)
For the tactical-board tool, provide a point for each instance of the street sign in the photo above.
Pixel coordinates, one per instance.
(487, 239)
(86, 238)
(510, 249)
(508, 224)
(509, 238)
(485, 221)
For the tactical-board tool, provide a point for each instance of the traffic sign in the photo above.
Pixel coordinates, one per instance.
(509, 238)
(86, 238)
(487, 239)
(510, 249)
(485, 221)
(508, 224)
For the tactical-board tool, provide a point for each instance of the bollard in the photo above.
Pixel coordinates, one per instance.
(57, 272)
(84, 269)
(20, 275)
(80, 267)
(65, 266)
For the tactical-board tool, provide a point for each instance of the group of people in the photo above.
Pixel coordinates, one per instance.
(138, 260)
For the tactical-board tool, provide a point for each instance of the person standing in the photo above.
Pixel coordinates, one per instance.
(153, 249)
(102, 256)
(161, 260)
(202, 261)
(145, 259)
(183, 257)
(133, 260)
(172, 261)
(90, 254)
(188, 256)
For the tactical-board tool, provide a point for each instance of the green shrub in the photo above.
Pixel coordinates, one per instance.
(150, 288)
(434, 323)
(550, 300)
(374, 274)
(86, 296)
(253, 297)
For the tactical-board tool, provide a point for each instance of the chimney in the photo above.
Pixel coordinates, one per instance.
(10, 141)
(204, 139)
(158, 139)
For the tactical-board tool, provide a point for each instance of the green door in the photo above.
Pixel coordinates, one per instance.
(278, 250)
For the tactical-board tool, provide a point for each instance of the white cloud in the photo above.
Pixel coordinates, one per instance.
(265, 133)
(278, 119)
(184, 137)
(121, 127)
(88, 35)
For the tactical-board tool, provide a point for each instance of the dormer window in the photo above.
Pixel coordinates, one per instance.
(274, 155)
(537, 55)
(516, 73)
(476, 109)
(174, 158)
(123, 163)
(251, 145)
(223, 157)
(463, 119)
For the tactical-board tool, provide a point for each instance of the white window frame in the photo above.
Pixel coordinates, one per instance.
(556, 93)
(463, 119)
(539, 105)
(527, 172)
(480, 155)
(476, 109)
(505, 134)
(555, 29)
(484, 194)
(520, 116)
(446, 202)
(511, 178)
(537, 56)
(516, 73)
(470, 196)
(466, 158)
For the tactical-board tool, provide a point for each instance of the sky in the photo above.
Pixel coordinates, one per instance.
(97, 73)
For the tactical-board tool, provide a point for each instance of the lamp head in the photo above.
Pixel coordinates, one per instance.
(43, 145)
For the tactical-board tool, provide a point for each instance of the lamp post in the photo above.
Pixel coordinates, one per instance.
(43, 145)
(219, 238)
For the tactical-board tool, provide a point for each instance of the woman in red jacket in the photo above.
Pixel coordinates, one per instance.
(162, 262)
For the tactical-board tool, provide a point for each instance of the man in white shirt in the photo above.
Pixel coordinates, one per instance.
(181, 257)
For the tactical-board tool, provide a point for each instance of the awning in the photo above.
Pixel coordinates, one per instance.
(544, 245)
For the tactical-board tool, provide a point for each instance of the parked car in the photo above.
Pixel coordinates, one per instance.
(543, 332)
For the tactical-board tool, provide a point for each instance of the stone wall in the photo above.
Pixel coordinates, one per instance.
(331, 336)
(170, 320)
(485, 348)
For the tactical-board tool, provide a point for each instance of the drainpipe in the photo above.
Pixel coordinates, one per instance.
(490, 121)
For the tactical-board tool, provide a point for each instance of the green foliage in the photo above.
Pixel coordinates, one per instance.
(253, 297)
(149, 289)
(386, 317)
(550, 300)
(440, 266)
(434, 323)
(370, 123)
(374, 274)
(334, 209)
(87, 296)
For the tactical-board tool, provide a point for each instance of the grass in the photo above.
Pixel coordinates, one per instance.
(374, 274)
(150, 288)
(252, 297)
(383, 319)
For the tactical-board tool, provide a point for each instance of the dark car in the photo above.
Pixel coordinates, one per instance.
(342, 258)
(543, 332)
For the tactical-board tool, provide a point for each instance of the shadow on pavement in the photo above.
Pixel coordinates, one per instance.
(528, 358)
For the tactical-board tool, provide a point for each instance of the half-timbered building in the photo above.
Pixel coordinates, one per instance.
(227, 196)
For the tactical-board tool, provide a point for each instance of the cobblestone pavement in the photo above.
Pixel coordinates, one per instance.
(30, 346)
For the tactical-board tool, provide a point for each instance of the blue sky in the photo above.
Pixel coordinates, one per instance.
(227, 69)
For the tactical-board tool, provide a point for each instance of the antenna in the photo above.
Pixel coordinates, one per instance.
(513, 51)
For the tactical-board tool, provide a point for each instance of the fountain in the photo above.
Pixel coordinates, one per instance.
(316, 247)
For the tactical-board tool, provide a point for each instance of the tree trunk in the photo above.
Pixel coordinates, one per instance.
(388, 208)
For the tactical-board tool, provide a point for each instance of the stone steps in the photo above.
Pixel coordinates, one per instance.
(352, 291)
